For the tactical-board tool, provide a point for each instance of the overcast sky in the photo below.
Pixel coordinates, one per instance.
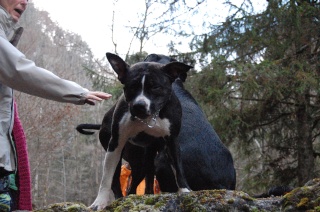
(92, 21)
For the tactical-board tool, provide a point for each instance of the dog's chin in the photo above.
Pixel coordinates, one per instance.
(141, 116)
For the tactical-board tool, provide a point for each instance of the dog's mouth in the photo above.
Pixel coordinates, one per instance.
(140, 114)
(140, 110)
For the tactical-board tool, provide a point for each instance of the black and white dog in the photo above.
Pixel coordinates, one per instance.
(148, 107)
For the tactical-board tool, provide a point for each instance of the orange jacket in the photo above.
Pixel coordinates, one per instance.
(125, 181)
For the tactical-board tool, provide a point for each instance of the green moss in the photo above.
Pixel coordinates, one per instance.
(150, 201)
(217, 196)
(65, 206)
(290, 194)
(303, 203)
(255, 209)
(190, 203)
(162, 201)
(76, 208)
(303, 198)
(230, 201)
(245, 196)
(127, 203)
(159, 205)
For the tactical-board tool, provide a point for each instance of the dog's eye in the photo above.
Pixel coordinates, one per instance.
(133, 86)
(158, 90)
(156, 87)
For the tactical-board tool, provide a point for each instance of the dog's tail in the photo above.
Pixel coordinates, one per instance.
(80, 128)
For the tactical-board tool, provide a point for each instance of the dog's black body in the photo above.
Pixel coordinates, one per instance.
(208, 162)
(147, 111)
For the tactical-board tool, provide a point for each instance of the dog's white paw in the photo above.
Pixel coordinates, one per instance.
(183, 190)
(103, 200)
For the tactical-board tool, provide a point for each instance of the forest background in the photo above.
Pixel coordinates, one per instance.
(256, 78)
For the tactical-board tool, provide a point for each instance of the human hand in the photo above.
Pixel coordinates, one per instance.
(93, 96)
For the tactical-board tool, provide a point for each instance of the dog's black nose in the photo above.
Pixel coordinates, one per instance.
(139, 109)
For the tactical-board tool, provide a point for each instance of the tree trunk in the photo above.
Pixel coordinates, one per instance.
(304, 146)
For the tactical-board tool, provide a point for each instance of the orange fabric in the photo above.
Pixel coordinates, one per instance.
(125, 181)
(125, 177)
(156, 187)
(141, 188)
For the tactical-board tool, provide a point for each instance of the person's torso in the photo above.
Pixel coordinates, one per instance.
(7, 28)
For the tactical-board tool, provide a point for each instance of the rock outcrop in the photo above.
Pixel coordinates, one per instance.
(306, 198)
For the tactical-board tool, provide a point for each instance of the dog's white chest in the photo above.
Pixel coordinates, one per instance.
(157, 128)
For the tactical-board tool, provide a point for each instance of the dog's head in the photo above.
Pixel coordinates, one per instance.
(159, 58)
(147, 85)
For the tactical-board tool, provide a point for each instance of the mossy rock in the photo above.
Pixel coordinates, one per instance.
(306, 198)
(65, 206)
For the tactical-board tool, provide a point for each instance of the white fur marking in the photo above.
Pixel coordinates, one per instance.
(106, 195)
(129, 128)
(183, 190)
(180, 190)
(142, 97)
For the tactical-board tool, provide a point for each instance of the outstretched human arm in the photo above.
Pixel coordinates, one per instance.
(21, 74)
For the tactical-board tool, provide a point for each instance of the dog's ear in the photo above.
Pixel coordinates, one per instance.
(176, 69)
(118, 65)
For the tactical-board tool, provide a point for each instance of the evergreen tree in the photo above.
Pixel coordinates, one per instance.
(260, 88)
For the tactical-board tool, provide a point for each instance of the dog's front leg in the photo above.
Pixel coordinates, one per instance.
(173, 152)
(105, 194)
